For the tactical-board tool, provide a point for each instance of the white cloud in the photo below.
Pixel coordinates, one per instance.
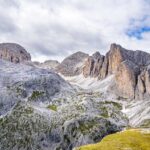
(51, 29)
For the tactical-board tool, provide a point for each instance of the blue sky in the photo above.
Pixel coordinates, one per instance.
(137, 32)
(51, 29)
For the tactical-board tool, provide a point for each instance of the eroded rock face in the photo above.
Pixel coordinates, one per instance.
(147, 81)
(143, 84)
(73, 64)
(129, 68)
(132, 75)
(93, 65)
(14, 53)
(126, 79)
(115, 57)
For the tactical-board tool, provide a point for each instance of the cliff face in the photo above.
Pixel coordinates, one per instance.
(14, 53)
(131, 69)
(93, 65)
(105, 65)
(126, 79)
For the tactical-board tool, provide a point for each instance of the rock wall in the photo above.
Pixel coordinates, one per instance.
(93, 65)
(131, 69)
(126, 79)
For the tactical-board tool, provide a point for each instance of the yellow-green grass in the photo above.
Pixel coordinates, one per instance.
(133, 139)
(52, 107)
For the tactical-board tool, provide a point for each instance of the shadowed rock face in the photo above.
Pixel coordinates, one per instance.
(14, 53)
(93, 65)
(126, 78)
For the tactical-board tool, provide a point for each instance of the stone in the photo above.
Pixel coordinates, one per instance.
(129, 67)
(141, 83)
(147, 81)
(14, 53)
(93, 65)
(115, 57)
(126, 79)
(73, 64)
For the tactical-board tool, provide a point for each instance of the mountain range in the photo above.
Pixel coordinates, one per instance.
(64, 105)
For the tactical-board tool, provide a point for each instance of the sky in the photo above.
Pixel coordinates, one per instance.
(54, 29)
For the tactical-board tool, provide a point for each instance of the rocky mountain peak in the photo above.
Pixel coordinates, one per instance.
(114, 47)
(96, 55)
(93, 65)
(14, 53)
(129, 67)
(139, 57)
(72, 65)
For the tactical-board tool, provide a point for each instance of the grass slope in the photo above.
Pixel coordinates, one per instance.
(133, 139)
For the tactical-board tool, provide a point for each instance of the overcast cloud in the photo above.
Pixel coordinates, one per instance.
(53, 29)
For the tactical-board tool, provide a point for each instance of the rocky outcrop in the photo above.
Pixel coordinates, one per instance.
(73, 64)
(14, 53)
(93, 65)
(143, 85)
(115, 57)
(147, 81)
(27, 82)
(132, 78)
(129, 68)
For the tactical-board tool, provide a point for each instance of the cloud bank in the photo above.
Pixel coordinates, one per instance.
(51, 29)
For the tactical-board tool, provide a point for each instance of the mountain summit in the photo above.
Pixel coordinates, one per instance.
(14, 52)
